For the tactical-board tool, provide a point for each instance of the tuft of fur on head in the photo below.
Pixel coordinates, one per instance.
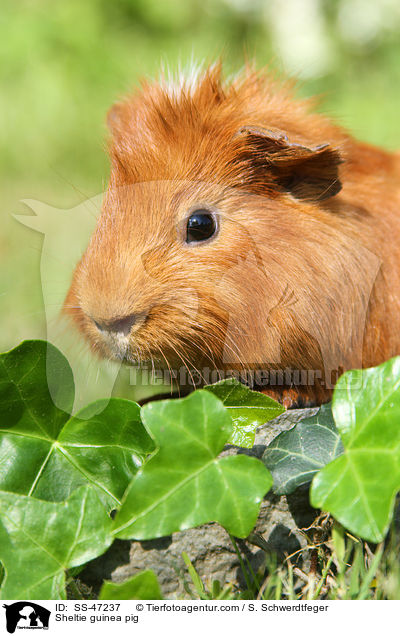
(185, 126)
(184, 79)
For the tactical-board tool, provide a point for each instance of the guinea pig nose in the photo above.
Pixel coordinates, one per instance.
(120, 325)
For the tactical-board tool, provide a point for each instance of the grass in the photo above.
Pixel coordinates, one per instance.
(342, 567)
(338, 566)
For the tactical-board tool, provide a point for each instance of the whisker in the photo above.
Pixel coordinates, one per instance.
(184, 363)
(169, 369)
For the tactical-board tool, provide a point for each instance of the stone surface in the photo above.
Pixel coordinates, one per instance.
(209, 547)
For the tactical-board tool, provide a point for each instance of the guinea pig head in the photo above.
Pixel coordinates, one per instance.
(202, 227)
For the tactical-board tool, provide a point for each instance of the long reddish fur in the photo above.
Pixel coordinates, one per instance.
(319, 278)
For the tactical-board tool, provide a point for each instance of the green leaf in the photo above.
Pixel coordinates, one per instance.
(39, 540)
(359, 488)
(144, 586)
(248, 409)
(295, 456)
(25, 400)
(46, 453)
(184, 484)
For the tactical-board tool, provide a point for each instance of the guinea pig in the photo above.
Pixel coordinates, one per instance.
(241, 231)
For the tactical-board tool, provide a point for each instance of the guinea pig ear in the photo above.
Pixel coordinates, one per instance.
(309, 174)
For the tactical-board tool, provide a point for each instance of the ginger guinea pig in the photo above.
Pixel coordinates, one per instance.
(242, 232)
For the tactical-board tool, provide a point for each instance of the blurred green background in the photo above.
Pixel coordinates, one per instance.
(63, 63)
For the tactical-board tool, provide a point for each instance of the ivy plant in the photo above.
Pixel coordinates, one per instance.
(46, 453)
(359, 488)
(185, 484)
(295, 456)
(71, 484)
(61, 475)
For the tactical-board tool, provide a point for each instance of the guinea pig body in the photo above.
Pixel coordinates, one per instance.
(240, 231)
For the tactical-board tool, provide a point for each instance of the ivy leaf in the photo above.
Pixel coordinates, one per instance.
(25, 399)
(46, 453)
(248, 409)
(143, 586)
(359, 488)
(295, 456)
(185, 484)
(39, 540)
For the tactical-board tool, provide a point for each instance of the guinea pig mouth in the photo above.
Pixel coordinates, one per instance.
(116, 344)
(115, 336)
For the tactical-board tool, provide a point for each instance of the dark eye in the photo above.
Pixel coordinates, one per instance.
(201, 225)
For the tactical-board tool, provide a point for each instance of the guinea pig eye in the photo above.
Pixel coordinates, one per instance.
(201, 225)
